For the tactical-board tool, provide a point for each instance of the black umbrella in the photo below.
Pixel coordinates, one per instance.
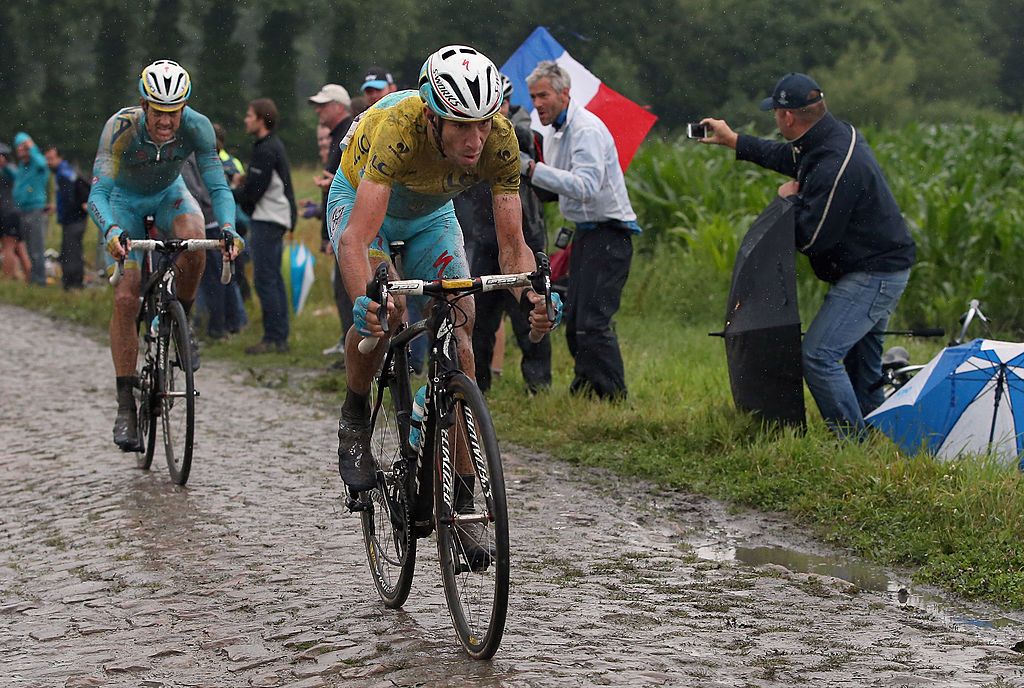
(762, 322)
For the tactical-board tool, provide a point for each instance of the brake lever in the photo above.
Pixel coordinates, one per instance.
(541, 281)
(377, 290)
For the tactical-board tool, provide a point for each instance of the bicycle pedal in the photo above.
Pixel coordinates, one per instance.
(354, 502)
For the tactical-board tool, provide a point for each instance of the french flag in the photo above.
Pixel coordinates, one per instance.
(627, 121)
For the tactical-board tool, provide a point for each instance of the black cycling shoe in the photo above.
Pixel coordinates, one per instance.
(473, 541)
(355, 460)
(126, 429)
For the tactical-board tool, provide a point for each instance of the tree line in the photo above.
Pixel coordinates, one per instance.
(69, 64)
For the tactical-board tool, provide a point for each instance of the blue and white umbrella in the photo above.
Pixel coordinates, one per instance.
(297, 267)
(968, 400)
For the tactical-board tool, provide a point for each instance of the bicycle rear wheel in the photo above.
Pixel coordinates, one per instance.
(176, 392)
(472, 520)
(386, 516)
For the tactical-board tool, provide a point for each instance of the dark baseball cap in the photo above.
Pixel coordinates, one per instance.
(376, 77)
(793, 91)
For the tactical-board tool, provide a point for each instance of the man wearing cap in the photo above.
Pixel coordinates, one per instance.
(849, 226)
(334, 111)
(377, 83)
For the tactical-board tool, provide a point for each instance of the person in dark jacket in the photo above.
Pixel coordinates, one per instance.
(72, 199)
(849, 226)
(333, 107)
(474, 208)
(267, 197)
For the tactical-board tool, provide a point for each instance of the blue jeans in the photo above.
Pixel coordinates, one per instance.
(842, 350)
(266, 240)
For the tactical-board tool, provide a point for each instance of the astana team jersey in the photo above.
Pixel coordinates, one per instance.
(131, 171)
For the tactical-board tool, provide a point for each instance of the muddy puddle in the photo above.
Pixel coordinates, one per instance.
(992, 623)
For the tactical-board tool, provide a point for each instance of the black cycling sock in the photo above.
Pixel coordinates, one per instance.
(187, 305)
(125, 386)
(356, 407)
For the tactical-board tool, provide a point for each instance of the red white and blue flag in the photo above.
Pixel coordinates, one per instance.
(627, 121)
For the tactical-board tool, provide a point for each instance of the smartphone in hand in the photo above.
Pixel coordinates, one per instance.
(696, 130)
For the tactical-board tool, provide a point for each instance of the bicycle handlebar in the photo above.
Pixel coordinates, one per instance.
(381, 287)
(919, 332)
(171, 245)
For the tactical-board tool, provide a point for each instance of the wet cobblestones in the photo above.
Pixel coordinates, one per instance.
(254, 576)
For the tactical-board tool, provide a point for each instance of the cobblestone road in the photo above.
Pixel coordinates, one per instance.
(252, 575)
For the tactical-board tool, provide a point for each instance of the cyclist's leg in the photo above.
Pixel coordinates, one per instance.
(355, 460)
(124, 339)
(180, 216)
(434, 249)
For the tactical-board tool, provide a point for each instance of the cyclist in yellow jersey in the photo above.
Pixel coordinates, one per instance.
(405, 159)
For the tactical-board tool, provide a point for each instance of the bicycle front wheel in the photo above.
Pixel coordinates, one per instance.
(472, 519)
(176, 393)
(386, 516)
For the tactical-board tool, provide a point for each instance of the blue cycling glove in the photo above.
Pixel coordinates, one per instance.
(556, 303)
(359, 310)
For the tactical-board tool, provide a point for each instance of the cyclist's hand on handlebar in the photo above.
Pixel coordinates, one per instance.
(237, 244)
(539, 321)
(365, 316)
(114, 245)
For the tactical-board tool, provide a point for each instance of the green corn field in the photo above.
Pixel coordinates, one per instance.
(961, 188)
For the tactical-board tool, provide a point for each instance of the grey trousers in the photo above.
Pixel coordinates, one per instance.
(33, 228)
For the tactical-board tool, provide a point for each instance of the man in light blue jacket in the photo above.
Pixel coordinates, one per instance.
(31, 179)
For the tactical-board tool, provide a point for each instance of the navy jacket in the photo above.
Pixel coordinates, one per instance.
(847, 219)
(72, 192)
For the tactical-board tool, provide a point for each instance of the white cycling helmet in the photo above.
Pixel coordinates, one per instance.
(459, 83)
(165, 85)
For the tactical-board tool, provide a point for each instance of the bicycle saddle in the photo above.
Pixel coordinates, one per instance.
(896, 357)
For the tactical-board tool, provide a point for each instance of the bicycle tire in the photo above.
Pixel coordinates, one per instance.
(386, 517)
(475, 587)
(176, 392)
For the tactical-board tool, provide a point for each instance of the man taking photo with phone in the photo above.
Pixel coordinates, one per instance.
(849, 225)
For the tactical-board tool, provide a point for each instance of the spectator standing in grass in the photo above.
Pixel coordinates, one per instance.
(850, 227)
(581, 165)
(12, 244)
(333, 108)
(72, 198)
(267, 197)
(475, 211)
(32, 176)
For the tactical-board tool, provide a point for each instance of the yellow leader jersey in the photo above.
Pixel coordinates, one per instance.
(391, 145)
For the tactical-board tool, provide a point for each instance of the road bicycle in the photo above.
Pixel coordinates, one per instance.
(438, 463)
(166, 392)
(897, 370)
